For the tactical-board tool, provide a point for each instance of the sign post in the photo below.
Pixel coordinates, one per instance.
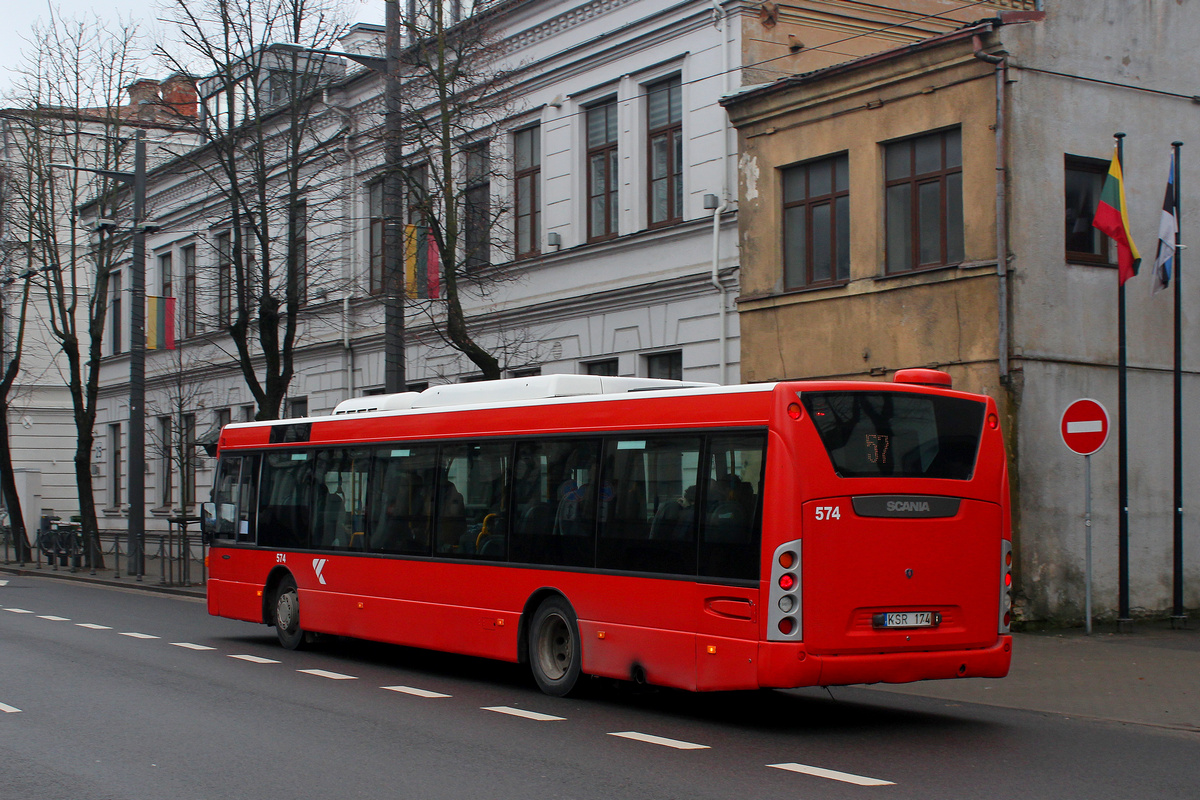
(1084, 428)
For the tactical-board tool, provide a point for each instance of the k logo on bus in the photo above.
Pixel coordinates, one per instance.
(318, 565)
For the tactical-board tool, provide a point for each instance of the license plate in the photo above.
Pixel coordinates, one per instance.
(906, 619)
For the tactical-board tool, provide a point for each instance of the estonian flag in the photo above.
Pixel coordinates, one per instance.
(1168, 225)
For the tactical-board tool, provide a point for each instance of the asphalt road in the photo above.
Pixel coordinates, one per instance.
(119, 694)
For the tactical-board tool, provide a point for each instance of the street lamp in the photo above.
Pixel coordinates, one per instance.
(136, 180)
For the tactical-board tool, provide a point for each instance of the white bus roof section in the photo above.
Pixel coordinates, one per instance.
(509, 390)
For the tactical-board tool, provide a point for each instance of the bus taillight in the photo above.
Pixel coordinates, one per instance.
(1006, 580)
(784, 611)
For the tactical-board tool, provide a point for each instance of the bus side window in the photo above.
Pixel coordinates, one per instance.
(554, 505)
(647, 506)
(284, 517)
(472, 500)
(400, 508)
(226, 495)
(339, 499)
(732, 506)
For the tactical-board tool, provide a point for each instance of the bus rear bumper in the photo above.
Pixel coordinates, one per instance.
(787, 665)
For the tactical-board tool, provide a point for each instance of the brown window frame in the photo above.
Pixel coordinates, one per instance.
(944, 177)
(672, 132)
(1104, 252)
(375, 277)
(477, 206)
(608, 150)
(187, 254)
(837, 200)
(527, 173)
(223, 243)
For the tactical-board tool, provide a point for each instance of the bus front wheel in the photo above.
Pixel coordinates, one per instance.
(554, 653)
(287, 615)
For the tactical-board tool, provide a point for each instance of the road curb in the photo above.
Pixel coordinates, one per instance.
(132, 583)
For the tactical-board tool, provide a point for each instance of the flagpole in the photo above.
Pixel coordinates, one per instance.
(1123, 620)
(1177, 615)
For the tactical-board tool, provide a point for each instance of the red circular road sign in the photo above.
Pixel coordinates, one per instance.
(1084, 426)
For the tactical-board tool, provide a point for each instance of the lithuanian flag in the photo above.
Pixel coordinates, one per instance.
(160, 323)
(1112, 218)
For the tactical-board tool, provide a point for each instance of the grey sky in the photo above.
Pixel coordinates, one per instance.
(19, 16)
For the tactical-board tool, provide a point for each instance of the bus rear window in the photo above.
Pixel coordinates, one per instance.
(897, 434)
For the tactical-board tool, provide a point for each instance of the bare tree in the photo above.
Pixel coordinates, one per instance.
(268, 137)
(456, 90)
(69, 111)
(11, 368)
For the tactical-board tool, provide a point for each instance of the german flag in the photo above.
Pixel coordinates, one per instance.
(160, 323)
(1112, 218)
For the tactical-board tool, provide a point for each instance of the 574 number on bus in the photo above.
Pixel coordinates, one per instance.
(829, 512)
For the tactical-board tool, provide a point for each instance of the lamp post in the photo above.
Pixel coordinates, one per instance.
(393, 189)
(136, 180)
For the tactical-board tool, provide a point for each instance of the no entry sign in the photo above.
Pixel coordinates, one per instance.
(1084, 426)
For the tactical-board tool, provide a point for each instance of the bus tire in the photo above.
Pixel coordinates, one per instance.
(286, 615)
(554, 651)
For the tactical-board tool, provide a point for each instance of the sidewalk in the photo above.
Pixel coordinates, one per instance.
(1150, 676)
(151, 581)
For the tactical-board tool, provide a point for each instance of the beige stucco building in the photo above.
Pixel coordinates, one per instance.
(875, 195)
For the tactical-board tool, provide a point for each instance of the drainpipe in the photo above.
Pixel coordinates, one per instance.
(1001, 64)
(351, 169)
(721, 21)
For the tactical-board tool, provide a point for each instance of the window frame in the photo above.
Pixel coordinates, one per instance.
(530, 175)
(839, 240)
(672, 131)
(477, 205)
(609, 151)
(1090, 166)
(915, 181)
(376, 283)
(187, 255)
(223, 244)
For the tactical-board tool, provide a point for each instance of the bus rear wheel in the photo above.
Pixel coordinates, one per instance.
(554, 652)
(286, 615)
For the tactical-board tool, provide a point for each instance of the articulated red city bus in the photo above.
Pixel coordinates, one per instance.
(685, 535)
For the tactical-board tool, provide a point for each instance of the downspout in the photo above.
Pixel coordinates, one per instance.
(1001, 64)
(721, 20)
(351, 170)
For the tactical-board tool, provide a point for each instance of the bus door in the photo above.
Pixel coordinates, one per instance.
(230, 520)
(729, 505)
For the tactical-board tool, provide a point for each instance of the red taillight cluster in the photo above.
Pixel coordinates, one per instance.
(788, 583)
(1006, 582)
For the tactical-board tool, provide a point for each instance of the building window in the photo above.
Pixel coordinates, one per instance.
(664, 121)
(527, 156)
(816, 223)
(602, 171)
(923, 179)
(375, 237)
(667, 366)
(418, 195)
(607, 367)
(187, 478)
(116, 310)
(477, 222)
(114, 465)
(224, 242)
(297, 407)
(165, 275)
(247, 414)
(165, 472)
(188, 254)
(1083, 179)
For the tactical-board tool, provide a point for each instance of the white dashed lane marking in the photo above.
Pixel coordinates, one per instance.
(832, 774)
(520, 712)
(136, 635)
(53, 618)
(333, 676)
(7, 709)
(3, 583)
(191, 646)
(255, 659)
(18, 611)
(93, 626)
(414, 692)
(659, 740)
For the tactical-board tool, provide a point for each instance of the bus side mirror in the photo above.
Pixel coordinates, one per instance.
(208, 520)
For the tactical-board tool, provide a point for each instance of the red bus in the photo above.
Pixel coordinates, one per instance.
(692, 536)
